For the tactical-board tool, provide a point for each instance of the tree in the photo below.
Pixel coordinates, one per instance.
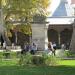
(26, 8)
(23, 11)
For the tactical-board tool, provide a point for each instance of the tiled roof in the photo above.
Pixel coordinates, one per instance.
(72, 1)
(60, 10)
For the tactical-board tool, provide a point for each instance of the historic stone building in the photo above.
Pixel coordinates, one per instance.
(59, 27)
(61, 24)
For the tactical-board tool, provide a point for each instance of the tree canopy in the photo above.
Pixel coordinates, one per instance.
(23, 10)
(25, 7)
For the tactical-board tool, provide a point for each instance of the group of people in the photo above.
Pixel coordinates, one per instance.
(29, 48)
(52, 47)
(65, 46)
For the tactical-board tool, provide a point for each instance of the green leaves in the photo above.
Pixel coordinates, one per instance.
(25, 5)
(26, 29)
(23, 10)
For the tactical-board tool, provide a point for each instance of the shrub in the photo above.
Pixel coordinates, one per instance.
(25, 59)
(71, 54)
(43, 59)
(1, 55)
(13, 54)
(6, 54)
(51, 60)
(38, 60)
(67, 53)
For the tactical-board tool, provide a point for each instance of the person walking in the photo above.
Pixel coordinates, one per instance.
(50, 45)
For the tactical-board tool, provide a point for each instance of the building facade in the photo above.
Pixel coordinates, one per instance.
(59, 27)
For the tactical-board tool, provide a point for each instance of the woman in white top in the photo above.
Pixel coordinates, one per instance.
(51, 48)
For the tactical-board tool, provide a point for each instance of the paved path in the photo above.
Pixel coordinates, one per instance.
(12, 50)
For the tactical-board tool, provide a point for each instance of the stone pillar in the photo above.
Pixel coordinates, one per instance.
(59, 38)
(38, 35)
(46, 37)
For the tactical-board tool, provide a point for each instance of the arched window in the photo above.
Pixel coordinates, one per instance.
(52, 35)
(66, 35)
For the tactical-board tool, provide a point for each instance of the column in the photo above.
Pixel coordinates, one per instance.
(59, 38)
(46, 37)
(38, 35)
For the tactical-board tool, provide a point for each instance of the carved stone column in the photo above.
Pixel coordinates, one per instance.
(46, 37)
(39, 35)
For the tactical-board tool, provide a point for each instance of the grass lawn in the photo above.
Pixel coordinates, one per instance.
(67, 63)
(10, 67)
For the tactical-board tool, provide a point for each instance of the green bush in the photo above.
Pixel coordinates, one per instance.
(67, 53)
(13, 55)
(43, 59)
(6, 54)
(71, 54)
(37, 60)
(50, 59)
(1, 55)
(25, 59)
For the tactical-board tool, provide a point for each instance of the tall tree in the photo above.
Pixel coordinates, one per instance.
(23, 10)
(24, 7)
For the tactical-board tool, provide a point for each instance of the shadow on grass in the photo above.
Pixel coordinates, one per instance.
(37, 70)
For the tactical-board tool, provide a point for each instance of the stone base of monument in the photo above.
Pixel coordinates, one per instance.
(60, 53)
